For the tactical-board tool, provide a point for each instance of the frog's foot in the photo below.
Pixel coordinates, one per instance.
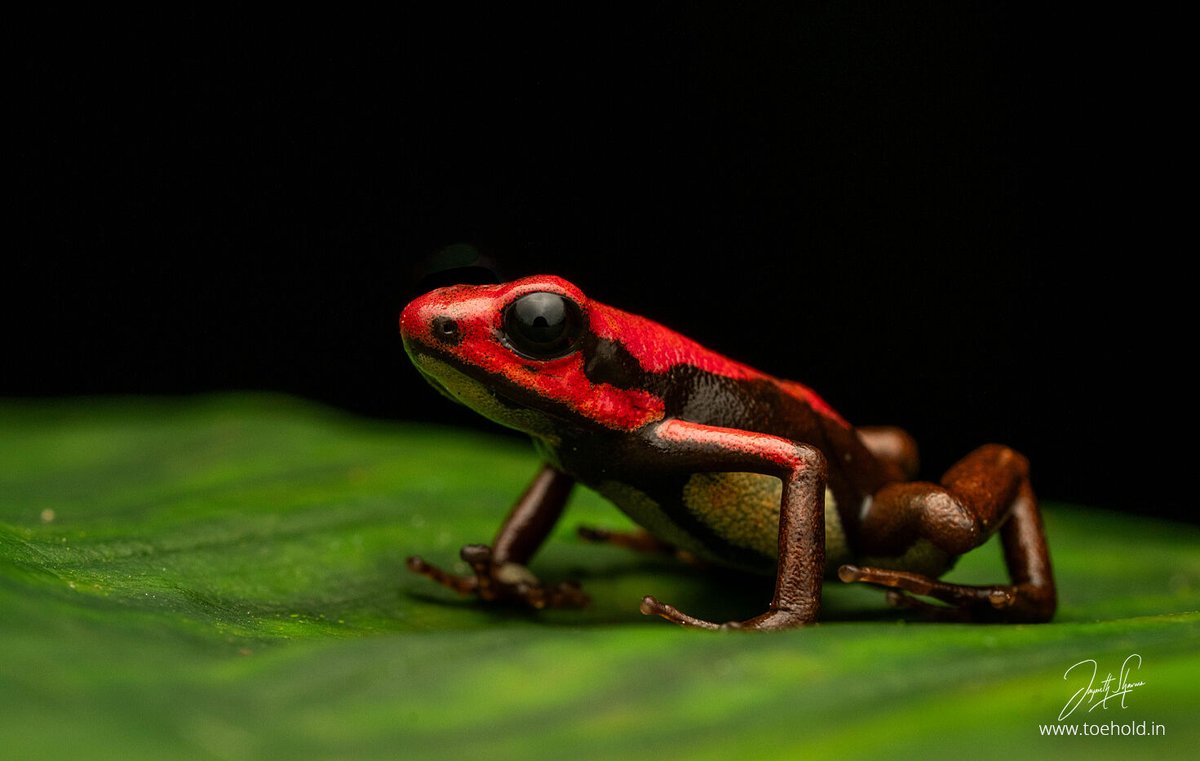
(963, 602)
(772, 619)
(501, 582)
(652, 607)
(639, 541)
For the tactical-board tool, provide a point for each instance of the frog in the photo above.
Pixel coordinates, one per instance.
(715, 462)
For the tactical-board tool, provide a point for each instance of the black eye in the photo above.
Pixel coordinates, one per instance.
(543, 325)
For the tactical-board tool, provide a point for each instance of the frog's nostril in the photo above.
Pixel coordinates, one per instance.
(446, 330)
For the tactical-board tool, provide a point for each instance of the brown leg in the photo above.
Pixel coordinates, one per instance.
(1028, 559)
(802, 469)
(987, 489)
(499, 571)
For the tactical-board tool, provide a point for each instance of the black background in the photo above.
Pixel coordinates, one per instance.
(955, 217)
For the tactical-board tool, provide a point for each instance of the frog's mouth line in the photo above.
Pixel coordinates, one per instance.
(490, 395)
(491, 386)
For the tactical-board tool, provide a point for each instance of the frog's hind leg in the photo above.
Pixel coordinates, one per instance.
(987, 490)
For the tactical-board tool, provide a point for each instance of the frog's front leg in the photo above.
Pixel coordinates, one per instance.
(499, 571)
(987, 490)
(801, 468)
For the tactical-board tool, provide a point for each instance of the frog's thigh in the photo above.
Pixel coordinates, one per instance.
(743, 509)
(921, 527)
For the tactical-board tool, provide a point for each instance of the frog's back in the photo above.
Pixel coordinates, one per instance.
(760, 403)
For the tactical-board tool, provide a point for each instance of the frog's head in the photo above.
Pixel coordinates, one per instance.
(534, 354)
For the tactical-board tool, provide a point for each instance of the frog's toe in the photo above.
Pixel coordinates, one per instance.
(652, 607)
(959, 602)
(464, 585)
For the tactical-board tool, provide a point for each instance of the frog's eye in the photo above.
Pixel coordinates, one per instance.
(543, 325)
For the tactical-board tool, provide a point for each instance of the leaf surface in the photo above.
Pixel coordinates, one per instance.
(223, 577)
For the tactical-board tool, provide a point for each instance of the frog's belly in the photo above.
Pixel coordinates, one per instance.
(742, 509)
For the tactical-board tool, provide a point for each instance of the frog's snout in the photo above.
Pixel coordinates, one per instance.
(411, 320)
(438, 320)
(423, 321)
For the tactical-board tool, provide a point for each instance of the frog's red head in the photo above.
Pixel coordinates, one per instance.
(526, 354)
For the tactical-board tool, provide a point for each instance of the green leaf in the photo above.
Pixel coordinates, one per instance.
(223, 577)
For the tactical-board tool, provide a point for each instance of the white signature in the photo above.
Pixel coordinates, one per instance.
(1109, 688)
